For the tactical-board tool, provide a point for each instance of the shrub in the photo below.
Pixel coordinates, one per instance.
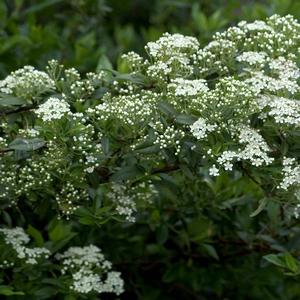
(185, 168)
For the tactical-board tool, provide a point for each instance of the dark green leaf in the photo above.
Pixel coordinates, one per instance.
(167, 109)
(185, 119)
(27, 144)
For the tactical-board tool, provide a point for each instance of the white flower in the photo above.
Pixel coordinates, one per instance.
(283, 110)
(17, 238)
(168, 137)
(285, 68)
(90, 169)
(125, 204)
(27, 82)
(252, 58)
(201, 128)
(226, 159)
(53, 109)
(214, 171)
(291, 173)
(171, 53)
(185, 87)
(90, 271)
(172, 44)
(255, 26)
(255, 150)
(130, 109)
(283, 77)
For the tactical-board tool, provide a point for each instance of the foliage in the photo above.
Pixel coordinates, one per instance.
(86, 33)
(182, 167)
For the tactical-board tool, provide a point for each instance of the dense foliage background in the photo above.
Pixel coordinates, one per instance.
(85, 33)
(212, 249)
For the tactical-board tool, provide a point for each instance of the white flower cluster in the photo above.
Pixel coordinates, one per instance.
(291, 173)
(89, 269)
(159, 71)
(201, 128)
(81, 89)
(131, 109)
(255, 150)
(297, 207)
(92, 161)
(172, 45)
(255, 26)
(3, 143)
(40, 173)
(29, 132)
(7, 182)
(213, 171)
(5, 264)
(83, 146)
(229, 104)
(283, 110)
(283, 77)
(253, 58)
(277, 36)
(17, 239)
(125, 203)
(27, 82)
(37, 173)
(91, 272)
(69, 197)
(285, 68)
(126, 197)
(172, 53)
(186, 87)
(168, 137)
(53, 109)
(134, 60)
(248, 75)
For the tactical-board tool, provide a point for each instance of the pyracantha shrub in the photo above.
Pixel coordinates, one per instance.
(194, 130)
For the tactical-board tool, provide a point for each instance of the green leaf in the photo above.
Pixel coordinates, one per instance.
(291, 263)
(85, 216)
(199, 229)
(56, 246)
(8, 100)
(8, 291)
(27, 144)
(148, 150)
(105, 145)
(103, 63)
(185, 119)
(260, 208)
(167, 109)
(36, 235)
(186, 171)
(275, 260)
(134, 78)
(6, 218)
(162, 234)
(211, 251)
(46, 292)
(127, 173)
(59, 232)
(19, 155)
(40, 6)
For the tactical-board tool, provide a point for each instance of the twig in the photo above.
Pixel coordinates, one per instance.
(18, 110)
